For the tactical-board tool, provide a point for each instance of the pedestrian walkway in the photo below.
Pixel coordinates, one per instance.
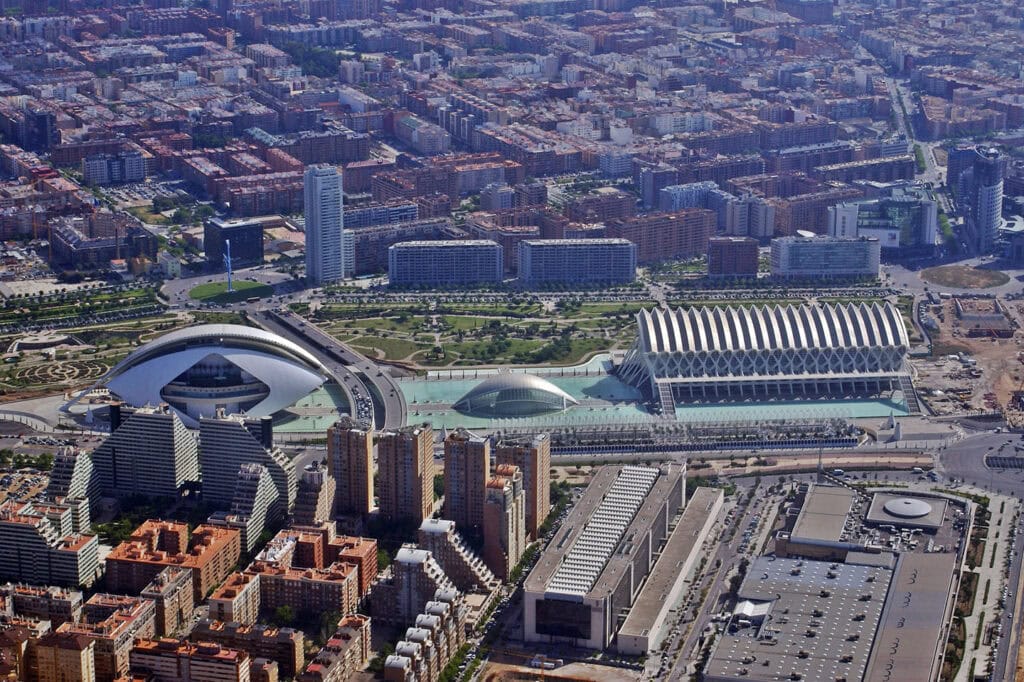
(991, 572)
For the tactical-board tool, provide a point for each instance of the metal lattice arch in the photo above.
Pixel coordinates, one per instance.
(738, 353)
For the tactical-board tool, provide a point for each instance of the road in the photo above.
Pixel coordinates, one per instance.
(900, 94)
(729, 555)
(965, 461)
(1006, 652)
(376, 394)
(357, 395)
(176, 290)
(909, 281)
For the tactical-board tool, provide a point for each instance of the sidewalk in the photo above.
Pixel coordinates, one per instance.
(991, 571)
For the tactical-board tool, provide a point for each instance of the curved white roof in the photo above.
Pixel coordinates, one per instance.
(289, 371)
(714, 329)
(219, 335)
(513, 380)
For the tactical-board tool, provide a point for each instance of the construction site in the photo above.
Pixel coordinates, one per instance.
(976, 360)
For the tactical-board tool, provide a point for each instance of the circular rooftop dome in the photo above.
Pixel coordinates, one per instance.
(514, 394)
(199, 370)
(908, 508)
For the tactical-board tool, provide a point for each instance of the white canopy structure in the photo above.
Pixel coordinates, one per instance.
(200, 369)
(514, 394)
(759, 352)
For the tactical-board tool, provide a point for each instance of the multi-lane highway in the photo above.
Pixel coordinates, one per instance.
(373, 393)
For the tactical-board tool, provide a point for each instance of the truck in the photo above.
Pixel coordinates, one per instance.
(546, 663)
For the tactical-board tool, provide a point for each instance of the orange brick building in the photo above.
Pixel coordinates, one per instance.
(662, 236)
(318, 547)
(211, 553)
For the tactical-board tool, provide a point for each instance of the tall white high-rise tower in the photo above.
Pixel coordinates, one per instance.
(325, 259)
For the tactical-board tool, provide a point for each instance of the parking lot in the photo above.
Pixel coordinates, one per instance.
(141, 193)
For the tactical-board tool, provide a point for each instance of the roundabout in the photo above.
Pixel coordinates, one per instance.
(217, 292)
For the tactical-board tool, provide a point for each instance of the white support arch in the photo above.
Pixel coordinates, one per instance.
(769, 351)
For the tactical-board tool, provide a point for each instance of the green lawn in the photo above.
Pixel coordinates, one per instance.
(147, 215)
(410, 325)
(492, 310)
(465, 323)
(217, 292)
(393, 349)
(475, 334)
(490, 352)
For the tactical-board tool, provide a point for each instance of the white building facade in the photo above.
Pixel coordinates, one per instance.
(324, 212)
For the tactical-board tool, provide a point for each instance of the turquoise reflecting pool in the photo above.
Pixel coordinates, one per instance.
(604, 400)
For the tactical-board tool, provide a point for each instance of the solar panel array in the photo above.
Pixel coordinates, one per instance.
(583, 564)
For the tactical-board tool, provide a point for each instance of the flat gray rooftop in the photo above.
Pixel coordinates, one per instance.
(682, 543)
(908, 638)
(633, 541)
(879, 515)
(824, 513)
(558, 565)
(820, 623)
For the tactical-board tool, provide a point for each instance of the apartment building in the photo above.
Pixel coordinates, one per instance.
(665, 236)
(43, 552)
(282, 645)
(172, 594)
(172, 659)
(532, 456)
(314, 499)
(415, 577)
(467, 465)
(464, 568)
(406, 461)
(350, 464)
(471, 262)
(112, 622)
(581, 262)
(252, 505)
(149, 452)
(228, 442)
(733, 257)
(504, 521)
(825, 257)
(210, 552)
(237, 599)
(63, 656)
(344, 654)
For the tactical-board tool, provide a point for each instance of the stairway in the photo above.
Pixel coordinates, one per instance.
(909, 394)
(668, 404)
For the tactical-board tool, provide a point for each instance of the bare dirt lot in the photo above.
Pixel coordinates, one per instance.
(964, 277)
(502, 672)
(990, 371)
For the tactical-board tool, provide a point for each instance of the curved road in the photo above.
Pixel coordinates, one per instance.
(377, 397)
(373, 394)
